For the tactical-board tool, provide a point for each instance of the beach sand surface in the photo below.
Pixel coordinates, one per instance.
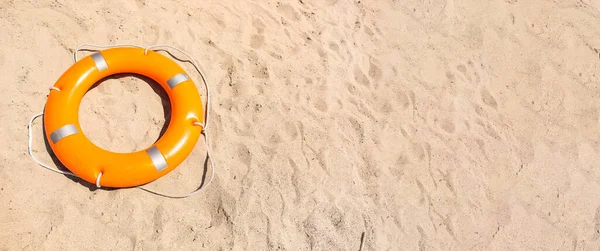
(395, 125)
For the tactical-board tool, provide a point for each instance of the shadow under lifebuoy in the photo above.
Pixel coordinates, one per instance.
(61, 167)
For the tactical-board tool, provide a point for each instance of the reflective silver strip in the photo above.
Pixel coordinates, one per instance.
(100, 62)
(157, 158)
(177, 79)
(62, 132)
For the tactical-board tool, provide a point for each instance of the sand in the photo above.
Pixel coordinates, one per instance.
(445, 125)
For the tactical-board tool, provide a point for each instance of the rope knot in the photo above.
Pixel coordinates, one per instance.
(98, 180)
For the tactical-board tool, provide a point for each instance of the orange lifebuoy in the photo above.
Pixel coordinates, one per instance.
(90, 162)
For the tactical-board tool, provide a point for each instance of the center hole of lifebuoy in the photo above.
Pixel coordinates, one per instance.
(124, 113)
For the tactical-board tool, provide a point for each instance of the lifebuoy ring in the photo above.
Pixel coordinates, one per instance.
(90, 162)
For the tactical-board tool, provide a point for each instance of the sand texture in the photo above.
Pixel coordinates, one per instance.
(425, 125)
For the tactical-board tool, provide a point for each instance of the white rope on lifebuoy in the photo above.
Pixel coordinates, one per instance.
(98, 180)
(31, 151)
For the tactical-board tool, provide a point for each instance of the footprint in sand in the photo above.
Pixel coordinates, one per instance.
(447, 125)
(397, 170)
(368, 31)
(259, 25)
(288, 12)
(375, 72)
(334, 47)
(473, 76)
(321, 104)
(290, 131)
(360, 77)
(257, 41)
(488, 99)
